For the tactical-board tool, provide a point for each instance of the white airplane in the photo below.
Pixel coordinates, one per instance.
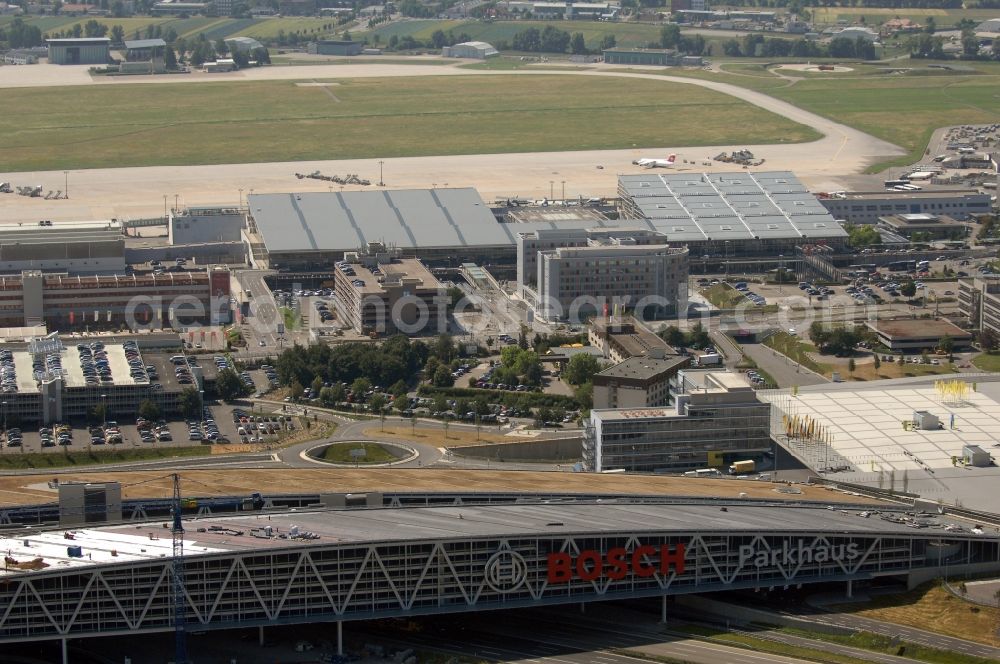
(657, 163)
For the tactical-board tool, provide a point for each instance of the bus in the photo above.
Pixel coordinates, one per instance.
(889, 184)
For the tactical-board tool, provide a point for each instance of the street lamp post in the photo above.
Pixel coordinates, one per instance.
(241, 197)
(381, 183)
(552, 185)
(66, 183)
(564, 191)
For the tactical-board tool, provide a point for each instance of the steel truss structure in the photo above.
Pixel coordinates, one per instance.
(313, 582)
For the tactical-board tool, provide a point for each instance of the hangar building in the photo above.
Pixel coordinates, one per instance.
(79, 51)
(77, 247)
(475, 50)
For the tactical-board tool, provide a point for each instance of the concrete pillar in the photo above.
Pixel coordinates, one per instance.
(65, 651)
(850, 589)
(340, 637)
(260, 635)
(663, 610)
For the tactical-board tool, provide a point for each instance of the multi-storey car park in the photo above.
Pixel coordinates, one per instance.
(337, 565)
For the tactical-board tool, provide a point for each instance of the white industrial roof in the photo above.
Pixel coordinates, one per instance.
(729, 206)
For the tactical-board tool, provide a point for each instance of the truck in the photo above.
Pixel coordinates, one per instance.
(709, 360)
(742, 467)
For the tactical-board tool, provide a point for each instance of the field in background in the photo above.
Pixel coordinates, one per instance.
(244, 122)
(213, 28)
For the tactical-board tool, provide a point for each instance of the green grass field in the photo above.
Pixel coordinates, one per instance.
(139, 125)
(213, 28)
(374, 453)
(903, 110)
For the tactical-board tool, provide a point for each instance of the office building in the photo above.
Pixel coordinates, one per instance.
(383, 295)
(621, 337)
(642, 381)
(708, 427)
(919, 334)
(865, 207)
(611, 272)
(979, 302)
(931, 226)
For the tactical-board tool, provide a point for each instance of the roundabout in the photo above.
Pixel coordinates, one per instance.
(354, 453)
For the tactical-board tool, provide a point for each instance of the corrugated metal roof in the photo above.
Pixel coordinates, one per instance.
(144, 43)
(729, 206)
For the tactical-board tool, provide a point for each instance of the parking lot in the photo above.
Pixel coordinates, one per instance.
(79, 436)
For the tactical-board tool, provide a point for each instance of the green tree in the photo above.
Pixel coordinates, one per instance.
(442, 377)
(377, 403)
(908, 288)
(190, 403)
(697, 336)
(221, 48)
(670, 35)
(360, 387)
(438, 39)
(860, 235)
(851, 366)
(317, 384)
(401, 403)
(580, 369)
(988, 340)
(326, 396)
(439, 404)
(585, 395)
(444, 348)
(577, 45)
(608, 41)
(170, 58)
(878, 362)
(149, 410)
(947, 345)
(229, 386)
(117, 35)
(673, 336)
(295, 390)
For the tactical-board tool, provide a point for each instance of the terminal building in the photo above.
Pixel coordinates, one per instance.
(731, 214)
(76, 247)
(383, 295)
(719, 421)
(586, 272)
(916, 335)
(865, 207)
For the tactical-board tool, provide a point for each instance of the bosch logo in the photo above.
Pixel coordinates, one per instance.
(506, 571)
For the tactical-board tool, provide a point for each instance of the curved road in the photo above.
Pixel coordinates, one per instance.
(138, 192)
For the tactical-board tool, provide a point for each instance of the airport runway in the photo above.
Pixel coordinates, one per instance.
(123, 193)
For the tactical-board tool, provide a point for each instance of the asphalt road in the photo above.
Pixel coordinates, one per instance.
(784, 371)
(562, 635)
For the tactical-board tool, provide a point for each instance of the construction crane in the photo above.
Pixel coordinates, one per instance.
(180, 635)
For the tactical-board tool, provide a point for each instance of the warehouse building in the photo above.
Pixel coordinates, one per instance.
(335, 47)
(382, 295)
(638, 382)
(707, 428)
(75, 247)
(79, 51)
(865, 207)
(611, 269)
(732, 214)
(475, 50)
(110, 301)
